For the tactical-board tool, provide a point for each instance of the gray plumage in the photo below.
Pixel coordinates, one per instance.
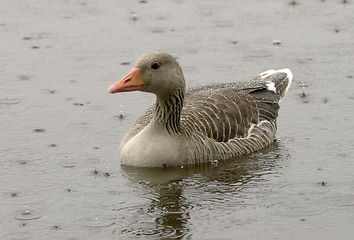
(219, 121)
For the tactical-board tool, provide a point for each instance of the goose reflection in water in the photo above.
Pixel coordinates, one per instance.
(176, 195)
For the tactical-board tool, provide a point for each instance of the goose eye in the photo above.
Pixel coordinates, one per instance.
(155, 65)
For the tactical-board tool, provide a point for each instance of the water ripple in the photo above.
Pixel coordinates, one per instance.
(297, 206)
(10, 101)
(151, 223)
(343, 197)
(27, 214)
(19, 236)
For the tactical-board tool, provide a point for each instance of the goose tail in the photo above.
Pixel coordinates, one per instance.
(277, 81)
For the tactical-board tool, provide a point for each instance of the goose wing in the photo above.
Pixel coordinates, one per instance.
(227, 111)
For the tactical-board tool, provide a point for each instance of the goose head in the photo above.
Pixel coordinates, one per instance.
(157, 72)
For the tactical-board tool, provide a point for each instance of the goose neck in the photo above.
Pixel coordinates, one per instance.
(168, 111)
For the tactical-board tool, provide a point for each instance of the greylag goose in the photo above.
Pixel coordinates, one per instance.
(215, 122)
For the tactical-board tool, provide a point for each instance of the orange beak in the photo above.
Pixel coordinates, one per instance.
(131, 82)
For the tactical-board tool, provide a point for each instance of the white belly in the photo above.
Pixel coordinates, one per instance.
(152, 148)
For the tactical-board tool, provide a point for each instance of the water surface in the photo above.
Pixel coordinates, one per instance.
(60, 131)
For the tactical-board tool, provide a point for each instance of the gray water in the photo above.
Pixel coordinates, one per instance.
(60, 131)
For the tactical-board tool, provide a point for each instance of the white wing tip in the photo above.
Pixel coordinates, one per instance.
(267, 73)
(290, 77)
(270, 85)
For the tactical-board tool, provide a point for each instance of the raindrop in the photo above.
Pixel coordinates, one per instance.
(49, 91)
(22, 162)
(95, 171)
(14, 193)
(134, 17)
(39, 130)
(78, 104)
(107, 173)
(26, 210)
(303, 85)
(277, 42)
(23, 77)
(56, 227)
(27, 215)
(121, 116)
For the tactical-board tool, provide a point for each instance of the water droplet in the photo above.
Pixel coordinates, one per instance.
(14, 193)
(293, 3)
(107, 173)
(27, 214)
(22, 162)
(134, 17)
(56, 227)
(23, 77)
(39, 130)
(277, 42)
(78, 104)
(121, 116)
